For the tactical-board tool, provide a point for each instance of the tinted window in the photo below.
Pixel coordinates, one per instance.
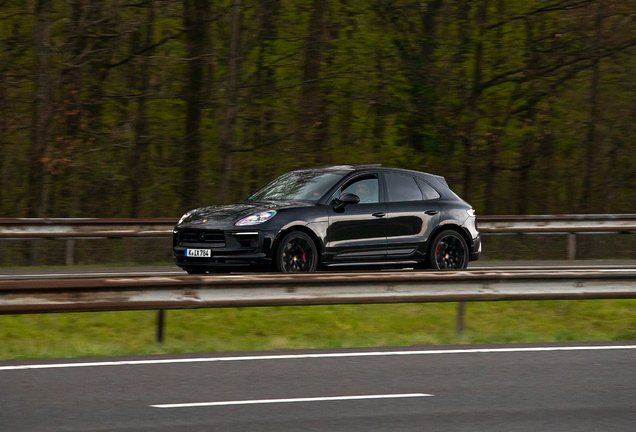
(367, 189)
(427, 190)
(402, 188)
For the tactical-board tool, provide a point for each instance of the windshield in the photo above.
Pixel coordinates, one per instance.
(298, 185)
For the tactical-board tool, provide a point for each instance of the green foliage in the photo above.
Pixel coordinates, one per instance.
(502, 87)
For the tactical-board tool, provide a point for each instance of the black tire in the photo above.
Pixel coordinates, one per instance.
(296, 253)
(448, 251)
(195, 270)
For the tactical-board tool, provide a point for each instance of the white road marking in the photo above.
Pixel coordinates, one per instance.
(271, 401)
(320, 355)
(606, 269)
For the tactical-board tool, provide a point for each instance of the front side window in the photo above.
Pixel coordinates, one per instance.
(298, 185)
(367, 189)
(402, 188)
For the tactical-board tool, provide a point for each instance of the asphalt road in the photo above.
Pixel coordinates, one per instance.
(139, 271)
(464, 388)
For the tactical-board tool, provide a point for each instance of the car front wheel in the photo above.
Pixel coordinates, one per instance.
(449, 251)
(296, 253)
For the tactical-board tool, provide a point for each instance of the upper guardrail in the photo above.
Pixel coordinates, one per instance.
(25, 228)
(621, 223)
(162, 227)
(85, 227)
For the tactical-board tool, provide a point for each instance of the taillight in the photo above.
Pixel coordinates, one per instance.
(471, 212)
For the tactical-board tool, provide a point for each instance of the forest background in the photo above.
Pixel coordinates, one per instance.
(149, 108)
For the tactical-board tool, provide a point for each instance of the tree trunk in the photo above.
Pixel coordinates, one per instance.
(494, 141)
(98, 72)
(234, 71)
(589, 185)
(470, 130)
(260, 130)
(269, 31)
(76, 44)
(4, 146)
(42, 113)
(546, 161)
(139, 168)
(197, 25)
(91, 201)
(424, 96)
(312, 107)
(379, 106)
(526, 160)
(456, 121)
(491, 173)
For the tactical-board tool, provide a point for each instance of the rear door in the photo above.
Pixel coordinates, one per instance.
(411, 216)
(358, 232)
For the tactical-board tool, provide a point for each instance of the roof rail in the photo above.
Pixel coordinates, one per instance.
(346, 166)
(373, 165)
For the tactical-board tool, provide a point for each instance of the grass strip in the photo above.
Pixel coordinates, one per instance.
(269, 328)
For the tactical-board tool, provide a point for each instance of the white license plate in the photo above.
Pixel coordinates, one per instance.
(199, 253)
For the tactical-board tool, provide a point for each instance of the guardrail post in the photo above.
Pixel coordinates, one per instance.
(572, 246)
(160, 324)
(70, 247)
(35, 253)
(461, 308)
(130, 251)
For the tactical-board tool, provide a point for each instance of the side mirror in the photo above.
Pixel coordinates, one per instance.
(345, 200)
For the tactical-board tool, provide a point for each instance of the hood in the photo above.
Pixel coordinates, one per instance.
(230, 214)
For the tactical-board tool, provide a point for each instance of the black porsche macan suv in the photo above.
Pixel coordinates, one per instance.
(355, 216)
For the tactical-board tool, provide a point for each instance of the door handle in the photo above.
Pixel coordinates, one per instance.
(378, 214)
(431, 212)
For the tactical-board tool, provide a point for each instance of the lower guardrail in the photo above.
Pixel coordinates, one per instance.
(252, 290)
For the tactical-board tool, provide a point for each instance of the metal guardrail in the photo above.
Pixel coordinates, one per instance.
(586, 223)
(559, 224)
(162, 227)
(72, 229)
(251, 290)
(26, 228)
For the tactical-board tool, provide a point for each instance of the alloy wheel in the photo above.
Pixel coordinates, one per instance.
(297, 254)
(450, 252)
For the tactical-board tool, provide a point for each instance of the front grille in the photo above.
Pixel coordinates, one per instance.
(202, 236)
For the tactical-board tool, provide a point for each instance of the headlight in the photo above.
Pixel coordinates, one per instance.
(185, 216)
(257, 218)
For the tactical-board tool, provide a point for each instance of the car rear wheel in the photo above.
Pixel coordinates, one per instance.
(449, 251)
(296, 253)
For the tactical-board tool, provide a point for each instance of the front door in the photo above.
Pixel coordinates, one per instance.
(358, 232)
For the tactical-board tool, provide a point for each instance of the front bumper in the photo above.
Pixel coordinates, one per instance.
(475, 244)
(231, 249)
(475, 250)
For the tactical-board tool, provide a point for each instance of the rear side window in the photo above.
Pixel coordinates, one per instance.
(402, 188)
(427, 190)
